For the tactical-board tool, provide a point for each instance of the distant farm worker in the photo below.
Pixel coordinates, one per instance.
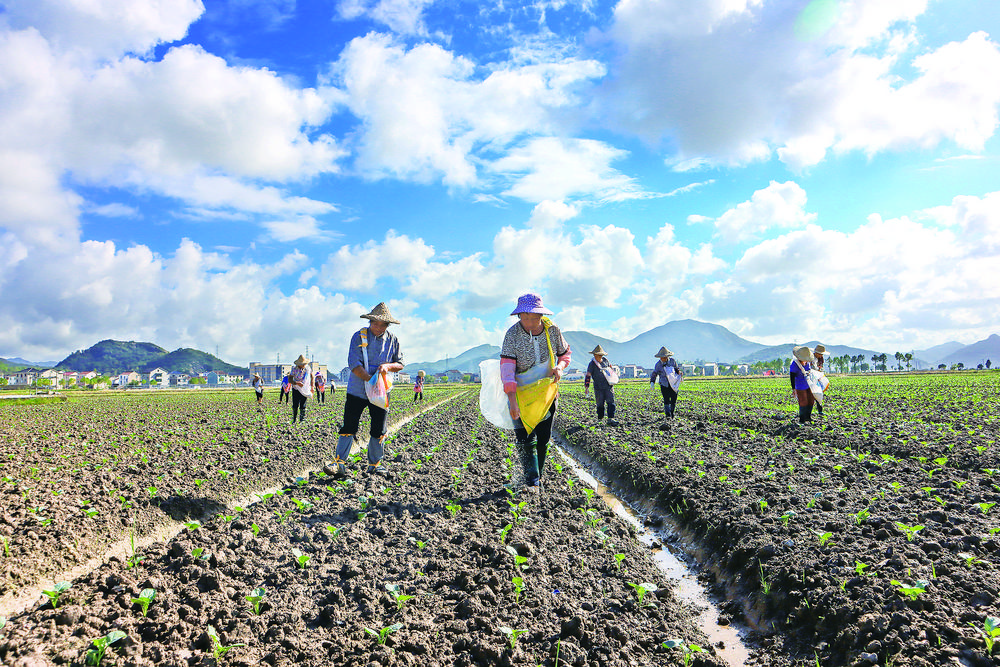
(320, 383)
(601, 372)
(301, 379)
(286, 386)
(668, 374)
(418, 387)
(818, 353)
(373, 350)
(533, 350)
(797, 377)
(258, 386)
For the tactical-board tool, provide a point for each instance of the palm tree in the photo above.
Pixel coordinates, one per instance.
(899, 361)
(909, 357)
(875, 360)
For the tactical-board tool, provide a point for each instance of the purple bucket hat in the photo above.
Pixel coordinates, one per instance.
(530, 303)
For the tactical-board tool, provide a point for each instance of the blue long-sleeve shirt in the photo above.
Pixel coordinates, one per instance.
(382, 349)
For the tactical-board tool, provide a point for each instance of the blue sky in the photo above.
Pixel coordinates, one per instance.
(254, 175)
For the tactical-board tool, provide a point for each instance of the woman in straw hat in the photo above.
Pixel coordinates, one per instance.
(258, 386)
(818, 353)
(301, 380)
(373, 350)
(797, 377)
(666, 361)
(533, 341)
(418, 387)
(604, 392)
(320, 382)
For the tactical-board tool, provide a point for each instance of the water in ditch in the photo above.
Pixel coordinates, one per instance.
(727, 638)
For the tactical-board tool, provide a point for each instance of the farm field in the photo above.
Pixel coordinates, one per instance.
(103, 469)
(869, 537)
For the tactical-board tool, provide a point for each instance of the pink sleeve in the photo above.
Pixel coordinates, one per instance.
(564, 358)
(507, 368)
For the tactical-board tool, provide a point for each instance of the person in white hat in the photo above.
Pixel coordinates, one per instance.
(666, 361)
(526, 347)
(320, 383)
(604, 392)
(418, 387)
(258, 387)
(797, 376)
(301, 381)
(818, 353)
(381, 349)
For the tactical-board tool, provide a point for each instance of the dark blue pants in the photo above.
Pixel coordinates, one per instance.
(602, 396)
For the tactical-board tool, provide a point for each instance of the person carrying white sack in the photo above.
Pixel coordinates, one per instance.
(599, 369)
(300, 381)
(665, 367)
(373, 352)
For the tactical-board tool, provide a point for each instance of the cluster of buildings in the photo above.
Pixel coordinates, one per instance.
(56, 379)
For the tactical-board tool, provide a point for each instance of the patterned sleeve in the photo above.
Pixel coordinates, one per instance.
(508, 348)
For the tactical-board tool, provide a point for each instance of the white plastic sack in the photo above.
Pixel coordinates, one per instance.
(673, 379)
(610, 375)
(492, 401)
(813, 380)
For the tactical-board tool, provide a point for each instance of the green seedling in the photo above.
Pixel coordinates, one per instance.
(823, 537)
(6, 546)
(255, 529)
(990, 632)
(862, 516)
(911, 531)
(218, 648)
(786, 517)
(860, 568)
(970, 559)
(383, 634)
(985, 507)
(765, 583)
(89, 512)
(912, 592)
(518, 588)
(199, 553)
(589, 493)
(642, 589)
(453, 508)
(504, 531)
(812, 501)
(619, 558)
(57, 590)
(193, 524)
(256, 598)
(302, 505)
(334, 531)
(689, 649)
(512, 636)
(397, 595)
(144, 599)
(301, 558)
(100, 646)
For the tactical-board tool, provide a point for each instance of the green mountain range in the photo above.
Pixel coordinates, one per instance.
(111, 357)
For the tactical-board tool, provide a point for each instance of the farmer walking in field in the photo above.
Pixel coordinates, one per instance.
(301, 380)
(818, 353)
(533, 351)
(600, 370)
(418, 387)
(320, 388)
(797, 377)
(669, 375)
(258, 387)
(286, 386)
(373, 353)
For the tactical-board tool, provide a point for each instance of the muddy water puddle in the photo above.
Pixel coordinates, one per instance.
(727, 638)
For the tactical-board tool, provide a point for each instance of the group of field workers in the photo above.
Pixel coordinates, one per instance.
(804, 380)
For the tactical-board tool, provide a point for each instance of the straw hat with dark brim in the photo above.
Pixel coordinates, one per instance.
(664, 352)
(819, 349)
(421, 373)
(599, 351)
(802, 353)
(301, 361)
(380, 313)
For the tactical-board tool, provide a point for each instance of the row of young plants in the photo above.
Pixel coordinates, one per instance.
(443, 560)
(82, 475)
(870, 535)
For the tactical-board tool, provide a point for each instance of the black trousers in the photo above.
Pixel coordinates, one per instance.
(669, 399)
(602, 396)
(535, 447)
(298, 405)
(353, 407)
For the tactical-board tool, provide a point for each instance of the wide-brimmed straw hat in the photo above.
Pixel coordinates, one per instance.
(301, 361)
(802, 353)
(421, 374)
(380, 313)
(819, 349)
(599, 351)
(664, 352)
(530, 303)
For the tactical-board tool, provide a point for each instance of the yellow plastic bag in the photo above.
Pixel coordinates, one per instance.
(534, 400)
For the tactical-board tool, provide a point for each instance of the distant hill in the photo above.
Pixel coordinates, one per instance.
(689, 340)
(24, 363)
(110, 357)
(467, 362)
(785, 350)
(977, 353)
(933, 355)
(10, 365)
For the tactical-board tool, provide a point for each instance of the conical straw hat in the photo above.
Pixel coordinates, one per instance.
(381, 313)
(301, 361)
(599, 350)
(664, 352)
(802, 353)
